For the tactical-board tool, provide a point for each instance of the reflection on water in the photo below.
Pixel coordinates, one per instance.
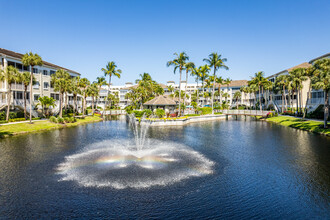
(260, 170)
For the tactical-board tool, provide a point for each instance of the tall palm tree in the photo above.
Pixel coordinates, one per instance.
(204, 70)
(196, 72)
(237, 95)
(282, 83)
(171, 89)
(309, 74)
(25, 79)
(31, 59)
(321, 80)
(297, 76)
(258, 79)
(10, 74)
(84, 84)
(179, 62)
(100, 81)
(93, 91)
(75, 85)
(60, 80)
(189, 66)
(216, 62)
(110, 70)
(219, 80)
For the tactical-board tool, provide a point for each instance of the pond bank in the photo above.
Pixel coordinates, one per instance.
(184, 121)
(43, 125)
(306, 125)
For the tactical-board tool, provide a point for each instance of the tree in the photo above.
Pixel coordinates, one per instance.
(282, 83)
(189, 68)
(46, 102)
(227, 81)
(237, 96)
(204, 70)
(110, 70)
(171, 89)
(258, 80)
(93, 91)
(297, 76)
(100, 81)
(219, 80)
(25, 79)
(216, 62)
(197, 73)
(179, 62)
(84, 84)
(31, 59)
(60, 80)
(321, 80)
(10, 74)
(75, 88)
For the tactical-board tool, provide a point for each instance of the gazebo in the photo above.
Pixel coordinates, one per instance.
(165, 102)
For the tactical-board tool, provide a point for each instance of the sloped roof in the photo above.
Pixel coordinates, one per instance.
(234, 83)
(19, 56)
(162, 100)
(302, 65)
(320, 57)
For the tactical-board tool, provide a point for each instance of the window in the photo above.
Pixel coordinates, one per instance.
(46, 85)
(19, 66)
(45, 72)
(51, 72)
(35, 70)
(36, 97)
(36, 86)
(55, 96)
(26, 68)
(18, 95)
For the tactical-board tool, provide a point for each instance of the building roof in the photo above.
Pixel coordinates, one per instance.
(302, 65)
(162, 100)
(320, 57)
(19, 56)
(234, 83)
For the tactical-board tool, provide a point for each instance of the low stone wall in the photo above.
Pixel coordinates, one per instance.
(180, 122)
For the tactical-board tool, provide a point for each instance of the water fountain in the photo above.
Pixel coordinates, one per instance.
(134, 163)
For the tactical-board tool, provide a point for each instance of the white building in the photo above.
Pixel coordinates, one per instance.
(42, 74)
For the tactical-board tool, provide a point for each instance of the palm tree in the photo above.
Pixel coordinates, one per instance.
(244, 89)
(93, 91)
(309, 74)
(282, 83)
(258, 79)
(297, 76)
(75, 86)
(179, 62)
(196, 72)
(25, 79)
(227, 81)
(31, 59)
(189, 68)
(237, 95)
(84, 84)
(220, 81)
(46, 102)
(10, 75)
(216, 62)
(253, 90)
(171, 89)
(100, 81)
(110, 70)
(321, 80)
(204, 70)
(60, 80)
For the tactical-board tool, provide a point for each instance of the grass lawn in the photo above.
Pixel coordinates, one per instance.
(14, 129)
(313, 126)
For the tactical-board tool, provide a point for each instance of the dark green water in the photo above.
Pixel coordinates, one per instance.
(260, 171)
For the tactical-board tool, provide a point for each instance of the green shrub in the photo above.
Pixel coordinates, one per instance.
(66, 119)
(160, 112)
(205, 110)
(72, 120)
(147, 112)
(12, 115)
(38, 118)
(3, 122)
(60, 120)
(192, 115)
(138, 113)
(16, 119)
(53, 119)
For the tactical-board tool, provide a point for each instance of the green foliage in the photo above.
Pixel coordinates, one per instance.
(66, 119)
(192, 115)
(139, 114)
(53, 119)
(16, 119)
(60, 120)
(205, 110)
(160, 112)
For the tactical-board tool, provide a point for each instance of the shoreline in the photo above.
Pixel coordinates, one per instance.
(41, 126)
(297, 123)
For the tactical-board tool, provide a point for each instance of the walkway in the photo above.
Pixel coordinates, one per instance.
(246, 112)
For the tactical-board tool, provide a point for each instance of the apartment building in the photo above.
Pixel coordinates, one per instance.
(42, 74)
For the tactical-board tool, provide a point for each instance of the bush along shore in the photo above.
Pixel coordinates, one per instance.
(44, 125)
(306, 125)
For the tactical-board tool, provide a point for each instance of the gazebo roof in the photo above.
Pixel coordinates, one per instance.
(162, 100)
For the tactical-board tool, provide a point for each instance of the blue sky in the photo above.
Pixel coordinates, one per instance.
(141, 36)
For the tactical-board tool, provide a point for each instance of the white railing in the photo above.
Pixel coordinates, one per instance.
(246, 112)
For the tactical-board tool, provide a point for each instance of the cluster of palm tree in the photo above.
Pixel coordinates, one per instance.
(180, 62)
(145, 90)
